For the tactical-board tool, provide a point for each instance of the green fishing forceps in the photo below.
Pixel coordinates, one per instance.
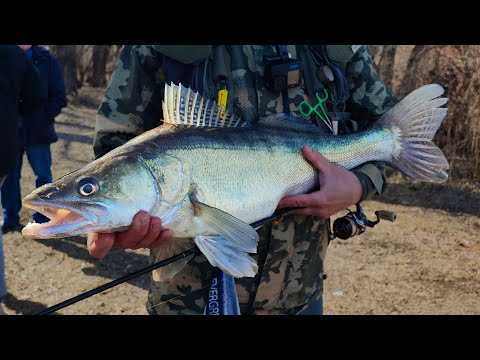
(306, 109)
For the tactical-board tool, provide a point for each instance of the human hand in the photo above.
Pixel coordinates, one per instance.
(145, 232)
(339, 189)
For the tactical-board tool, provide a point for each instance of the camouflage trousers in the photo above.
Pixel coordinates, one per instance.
(290, 276)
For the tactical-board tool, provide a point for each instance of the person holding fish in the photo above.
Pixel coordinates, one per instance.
(308, 126)
(283, 286)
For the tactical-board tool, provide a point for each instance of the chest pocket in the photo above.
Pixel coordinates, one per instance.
(189, 75)
(291, 277)
(324, 68)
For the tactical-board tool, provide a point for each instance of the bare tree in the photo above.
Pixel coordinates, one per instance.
(455, 67)
(67, 58)
(384, 62)
(84, 63)
(112, 60)
(99, 64)
(419, 54)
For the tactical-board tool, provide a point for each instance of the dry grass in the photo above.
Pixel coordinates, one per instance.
(457, 69)
(427, 262)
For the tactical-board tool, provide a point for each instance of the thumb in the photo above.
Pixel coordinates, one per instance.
(301, 200)
(99, 245)
(318, 161)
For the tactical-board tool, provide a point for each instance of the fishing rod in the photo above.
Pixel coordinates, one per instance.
(193, 251)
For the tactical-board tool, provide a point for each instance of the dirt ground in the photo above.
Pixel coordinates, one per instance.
(427, 262)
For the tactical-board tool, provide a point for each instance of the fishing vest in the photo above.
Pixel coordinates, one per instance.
(208, 69)
(290, 252)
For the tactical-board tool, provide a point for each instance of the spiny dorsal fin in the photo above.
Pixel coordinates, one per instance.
(182, 106)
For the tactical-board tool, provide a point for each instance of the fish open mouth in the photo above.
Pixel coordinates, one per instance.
(64, 221)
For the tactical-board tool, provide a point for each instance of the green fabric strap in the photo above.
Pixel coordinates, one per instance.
(186, 54)
(342, 54)
(221, 63)
(369, 174)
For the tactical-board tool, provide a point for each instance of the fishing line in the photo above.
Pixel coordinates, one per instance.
(118, 281)
(209, 285)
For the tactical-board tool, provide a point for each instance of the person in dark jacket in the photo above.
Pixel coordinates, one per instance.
(20, 93)
(36, 133)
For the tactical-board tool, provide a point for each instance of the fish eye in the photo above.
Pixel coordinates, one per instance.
(87, 186)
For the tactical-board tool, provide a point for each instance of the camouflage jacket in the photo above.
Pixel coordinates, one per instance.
(291, 252)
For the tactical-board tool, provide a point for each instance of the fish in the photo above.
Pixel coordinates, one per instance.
(208, 174)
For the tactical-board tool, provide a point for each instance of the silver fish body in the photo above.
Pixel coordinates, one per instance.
(246, 171)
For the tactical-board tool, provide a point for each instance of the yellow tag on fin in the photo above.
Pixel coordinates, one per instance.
(222, 97)
(222, 100)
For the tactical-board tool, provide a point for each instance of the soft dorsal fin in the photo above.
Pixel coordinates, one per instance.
(182, 106)
(291, 121)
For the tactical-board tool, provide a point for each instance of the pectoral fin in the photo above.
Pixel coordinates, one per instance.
(226, 256)
(238, 234)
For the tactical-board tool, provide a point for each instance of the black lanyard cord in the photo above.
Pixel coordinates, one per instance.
(283, 52)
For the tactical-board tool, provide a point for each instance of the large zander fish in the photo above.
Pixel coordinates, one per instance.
(208, 175)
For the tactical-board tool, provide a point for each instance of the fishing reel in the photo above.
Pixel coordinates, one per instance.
(356, 222)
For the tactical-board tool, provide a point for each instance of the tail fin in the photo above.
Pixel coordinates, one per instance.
(418, 116)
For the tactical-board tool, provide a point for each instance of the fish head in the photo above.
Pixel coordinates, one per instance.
(104, 196)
